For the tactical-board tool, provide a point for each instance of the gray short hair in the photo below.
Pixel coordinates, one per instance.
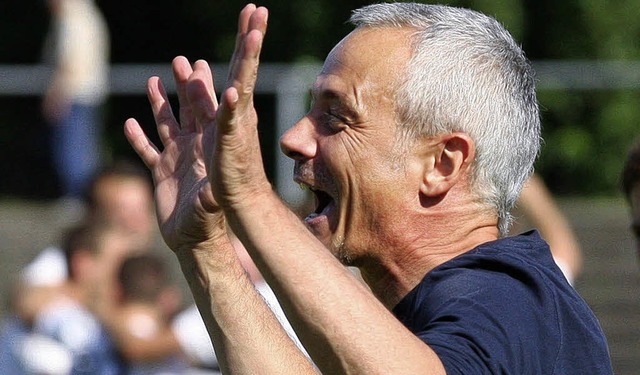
(467, 74)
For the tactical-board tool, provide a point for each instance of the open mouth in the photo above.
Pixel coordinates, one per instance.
(323, 200)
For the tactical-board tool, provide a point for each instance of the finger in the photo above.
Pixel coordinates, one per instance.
(225, 116)
(243, 28)
(246, 70)
(141, 144)
(243, 18)
(239, 95)
(181, 72)
(165, 120)
(199, 96)
(203, 66)
(258, 20)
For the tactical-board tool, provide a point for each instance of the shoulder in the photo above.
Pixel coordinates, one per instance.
(193, 338)
(502, 307)
(507, 273)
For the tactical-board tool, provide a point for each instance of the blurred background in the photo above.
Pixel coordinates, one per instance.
(586, 54)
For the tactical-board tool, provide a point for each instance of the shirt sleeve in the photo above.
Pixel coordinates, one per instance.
(489, 327)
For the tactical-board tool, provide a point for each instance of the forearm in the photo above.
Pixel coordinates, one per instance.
(342, 325)
(246, 336)
(121, 326)
(138, 349)
(540, 207)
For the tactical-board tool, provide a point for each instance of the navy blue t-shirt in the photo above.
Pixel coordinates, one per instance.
(505, 308)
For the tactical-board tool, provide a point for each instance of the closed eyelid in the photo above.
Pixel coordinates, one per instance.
(338, 103)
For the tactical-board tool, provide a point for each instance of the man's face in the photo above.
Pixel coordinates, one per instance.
(635, 215)
(345, 147)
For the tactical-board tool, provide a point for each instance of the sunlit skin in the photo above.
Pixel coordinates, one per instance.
(394, 211)
(347, 146)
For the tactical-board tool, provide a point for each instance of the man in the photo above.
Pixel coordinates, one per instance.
(423, 129)
(77, 48)
(631, 189)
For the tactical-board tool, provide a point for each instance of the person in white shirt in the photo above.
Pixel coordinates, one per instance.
(77, 48)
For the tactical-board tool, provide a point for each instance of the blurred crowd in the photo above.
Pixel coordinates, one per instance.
(101, 301)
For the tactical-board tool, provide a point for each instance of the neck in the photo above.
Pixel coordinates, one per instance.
(439, 239)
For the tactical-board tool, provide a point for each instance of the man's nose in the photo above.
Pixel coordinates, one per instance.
(299, 142)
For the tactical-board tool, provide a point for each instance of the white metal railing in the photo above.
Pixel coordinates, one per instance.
(289, 83)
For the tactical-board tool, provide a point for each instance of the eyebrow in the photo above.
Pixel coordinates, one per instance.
(335, 97)
(325, 94)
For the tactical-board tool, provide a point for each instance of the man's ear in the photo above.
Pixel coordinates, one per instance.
(453, 156)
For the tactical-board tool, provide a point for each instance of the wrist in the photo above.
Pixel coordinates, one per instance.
(200, 249)
(259, 195)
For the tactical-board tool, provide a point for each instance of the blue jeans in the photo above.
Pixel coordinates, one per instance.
(76, 148)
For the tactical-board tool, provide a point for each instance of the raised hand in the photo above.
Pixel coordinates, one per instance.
(231, 144)
(214, 152)
(210, 147)
(187, 213)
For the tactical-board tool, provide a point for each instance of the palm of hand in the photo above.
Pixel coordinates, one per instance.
(186, 210)
(185, 206)
(184, 171)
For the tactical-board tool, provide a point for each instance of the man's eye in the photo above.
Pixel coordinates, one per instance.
(333, 122)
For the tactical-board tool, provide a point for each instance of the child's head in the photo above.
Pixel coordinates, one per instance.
(143, 278)
(95, 248)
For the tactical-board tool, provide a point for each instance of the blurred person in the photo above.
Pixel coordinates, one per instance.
(423, 129)
(186, 332)
(145, 303)
(121, 194)
(630, 184)
(542, 212)
(77, 48)
(65, 313)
